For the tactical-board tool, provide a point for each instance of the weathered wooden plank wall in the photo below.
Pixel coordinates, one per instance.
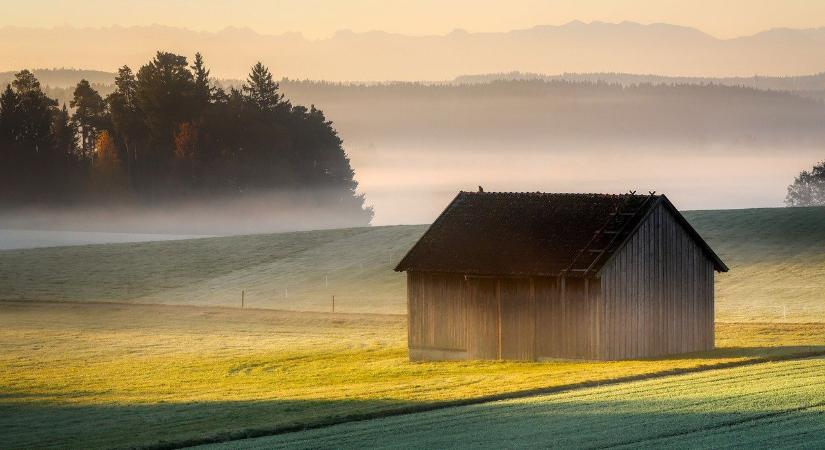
(518, 319)
(657, 294)
(482, 318)
(653, 298)
(566, 320)
(501, 318)
(437, 311)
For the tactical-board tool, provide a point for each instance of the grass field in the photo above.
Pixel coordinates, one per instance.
(104, 375)
(294, 271)
(131, 371)
(777, 260)
(768, 405)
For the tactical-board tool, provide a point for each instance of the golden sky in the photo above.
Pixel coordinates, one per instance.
(321, 18)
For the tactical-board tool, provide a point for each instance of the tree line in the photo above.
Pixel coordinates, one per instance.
(168, 132)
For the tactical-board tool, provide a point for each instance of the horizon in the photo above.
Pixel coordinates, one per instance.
(457, 30)
(322, 18)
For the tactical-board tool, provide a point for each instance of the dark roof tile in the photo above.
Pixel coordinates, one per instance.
(530, 233)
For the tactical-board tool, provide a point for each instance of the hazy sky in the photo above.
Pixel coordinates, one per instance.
(321, 18)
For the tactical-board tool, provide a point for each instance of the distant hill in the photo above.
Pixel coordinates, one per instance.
(63, 77)
(775, 254)
(625, 47)
(489, 111)
(803, 85)
(548, 114)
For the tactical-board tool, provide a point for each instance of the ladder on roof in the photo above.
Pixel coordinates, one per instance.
(616, 226)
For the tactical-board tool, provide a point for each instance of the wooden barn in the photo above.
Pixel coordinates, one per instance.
(532, 276)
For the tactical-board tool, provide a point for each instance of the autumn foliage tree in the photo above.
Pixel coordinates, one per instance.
(107, 174)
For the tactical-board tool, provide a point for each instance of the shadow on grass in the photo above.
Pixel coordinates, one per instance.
(36, 420)
(27, 422)
(615, 420)
(752, 352)
(588, 422)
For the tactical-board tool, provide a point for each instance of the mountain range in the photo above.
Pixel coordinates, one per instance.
(628, 47)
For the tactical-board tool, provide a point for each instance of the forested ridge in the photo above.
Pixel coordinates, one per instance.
(168, 132)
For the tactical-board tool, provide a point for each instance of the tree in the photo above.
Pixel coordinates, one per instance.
(26, 83)
(808, 189)
(64, 134)
(89, 116)
(164, 94)
(260, 89)
(186, 141)
(9, 150)
(165, 132)
(125, 84)
(9, 117)
(127, 124)
(35, 111)
(107, 175)
(203, 90)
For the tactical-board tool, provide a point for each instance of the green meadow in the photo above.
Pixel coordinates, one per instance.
(770, 405)
(145, 345)
(776, 255)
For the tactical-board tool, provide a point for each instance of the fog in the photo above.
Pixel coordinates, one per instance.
(416, 187)
(411, 184)
(413, 146)
(267, 212)
(705, 146)
(19, 239)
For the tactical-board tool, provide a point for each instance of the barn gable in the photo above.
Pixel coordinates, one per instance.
(657, 291)
(535, 234)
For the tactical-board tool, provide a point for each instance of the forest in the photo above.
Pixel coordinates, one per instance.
(167, 132)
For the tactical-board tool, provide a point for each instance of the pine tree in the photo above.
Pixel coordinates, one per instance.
(35, 111)
(9, 117)
(261, 90)
(203, 89)
(90, 110)
(64, 135)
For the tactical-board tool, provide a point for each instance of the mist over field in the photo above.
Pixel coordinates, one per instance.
(704, 145)
(413, 146)
(705, 142)
(267, 212)
(416, 189)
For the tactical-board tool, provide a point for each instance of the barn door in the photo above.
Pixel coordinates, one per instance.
(482, 319)
(517, 319)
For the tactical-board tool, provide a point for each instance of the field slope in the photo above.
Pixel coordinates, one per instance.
(298, 271)
(777, 260)
(76, 375)
(770, 405)
(776, 255)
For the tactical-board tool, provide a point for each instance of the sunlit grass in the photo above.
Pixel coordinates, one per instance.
(116, 375)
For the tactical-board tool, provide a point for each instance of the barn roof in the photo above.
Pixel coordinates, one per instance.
(511, 233)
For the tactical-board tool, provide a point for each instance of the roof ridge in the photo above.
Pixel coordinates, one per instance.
(593, 194)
